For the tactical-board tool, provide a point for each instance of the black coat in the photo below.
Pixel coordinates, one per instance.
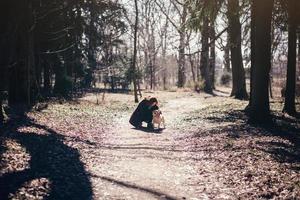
(143, 113)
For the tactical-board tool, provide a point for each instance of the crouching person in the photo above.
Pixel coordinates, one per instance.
(143, 113)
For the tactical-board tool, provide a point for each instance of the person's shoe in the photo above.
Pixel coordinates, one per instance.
(139, 126)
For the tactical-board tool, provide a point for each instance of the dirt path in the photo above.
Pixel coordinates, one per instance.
(208, 151)
(141, 165)
(83, 150)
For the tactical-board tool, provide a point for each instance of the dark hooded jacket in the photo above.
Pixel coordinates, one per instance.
(143, 113)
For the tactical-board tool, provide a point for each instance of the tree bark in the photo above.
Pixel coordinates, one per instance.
(153, 58)
(92, 36)
(235, 37)
(2, 88)
(181, 61)
(212, 59)
(192, 63)
(299, 47)
(4, 51)
(20, 74)
(30, 63)
(135, 52)
(289, 105)
(227, 55)
(259, 108)
(204, 62)
(47, 82)
(164, 54)
(181, 51)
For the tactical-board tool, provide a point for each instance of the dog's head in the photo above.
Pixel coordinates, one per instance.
(156, 112)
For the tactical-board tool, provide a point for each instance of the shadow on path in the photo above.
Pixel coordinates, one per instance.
(50, 158)
(147, 130)
(150, 191)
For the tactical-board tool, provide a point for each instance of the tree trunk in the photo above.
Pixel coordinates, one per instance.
(92, 36)
(164, 44)
(270, 87)
(153, 58)
(235, 38)
(5, 46)
(38, 74)
(47, 82)
(192, 68)
(181, 60)
(299, 49)
(20, 74)
(1, 111)
(139, 89)
(252, 56)
(289, 105)
(204, 62)
(31, 75)
(298, 64)
(181, 51)
(164, 68)
(151, 75)
(259, 108)
(135, 52)
(227, 55)
(212, 59)
(2, 88)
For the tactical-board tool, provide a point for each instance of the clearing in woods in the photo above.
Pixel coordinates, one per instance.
(207, 151)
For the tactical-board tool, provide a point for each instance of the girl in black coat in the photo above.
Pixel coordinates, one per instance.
(143, 113)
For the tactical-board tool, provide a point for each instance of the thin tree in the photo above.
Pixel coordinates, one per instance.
(299, 45)
(203, 17)
(235, 38)
(134, 71)
(227, 55)
(212, 58)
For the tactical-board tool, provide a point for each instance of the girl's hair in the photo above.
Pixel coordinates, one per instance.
(153, 100)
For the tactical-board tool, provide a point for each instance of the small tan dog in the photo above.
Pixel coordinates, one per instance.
(158, 118)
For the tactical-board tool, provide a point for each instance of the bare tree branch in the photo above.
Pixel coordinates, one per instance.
(212, 41)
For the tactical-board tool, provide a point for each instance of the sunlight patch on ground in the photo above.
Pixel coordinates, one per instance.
(18, 162)
(36, 189)
(31, 129)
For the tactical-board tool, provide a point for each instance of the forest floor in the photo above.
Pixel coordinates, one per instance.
(84, 150)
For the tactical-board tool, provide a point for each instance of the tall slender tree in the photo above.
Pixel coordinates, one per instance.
(134, 71)
(212, 56)
(203, 16)
(235, 38)
(227, 55)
